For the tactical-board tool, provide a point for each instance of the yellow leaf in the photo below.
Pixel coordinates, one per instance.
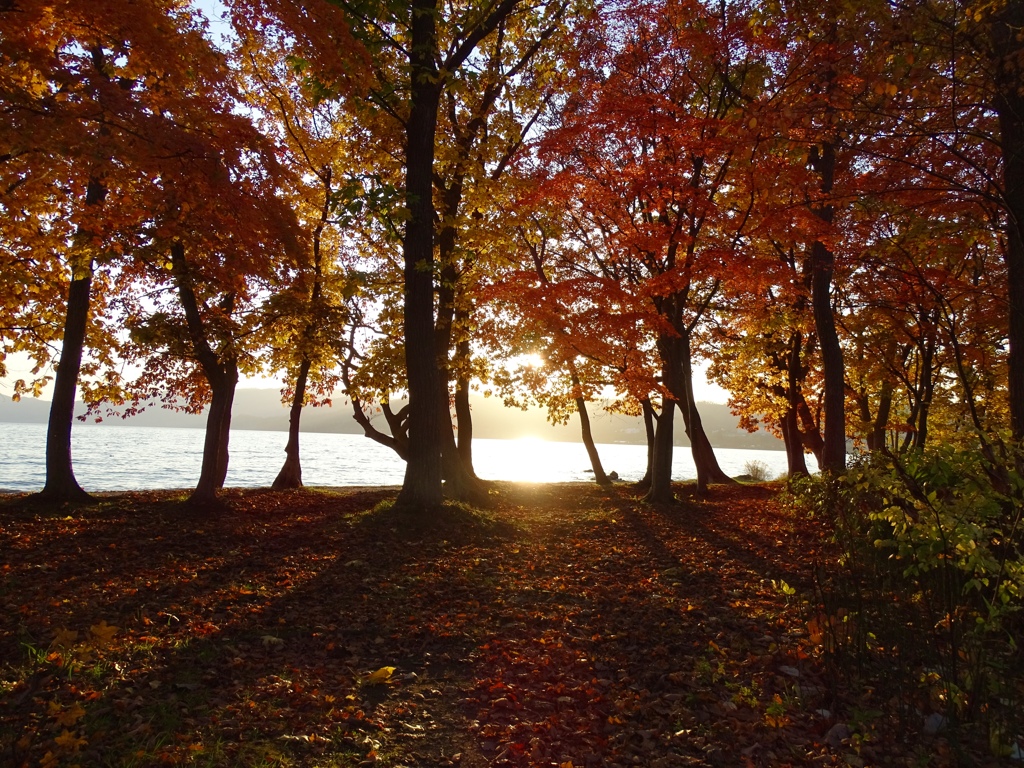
(69, 742)
(102, 633)
(64, 638)
(379, 677)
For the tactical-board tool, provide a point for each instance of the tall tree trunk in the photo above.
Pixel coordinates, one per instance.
(421, 487)
(215, 443)
(833, 457)
(460, 482)
(708, 470)
(661, 465)
(290, 475)
(588, 437)
(927, 391)
(1008, 50)
(221, 372)
(649, 433)
(463, 411)
(660, 491)
(810, 434)
(876, 437)
(61, 484)
(796, 463)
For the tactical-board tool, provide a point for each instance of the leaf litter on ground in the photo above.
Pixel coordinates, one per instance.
(565, 625)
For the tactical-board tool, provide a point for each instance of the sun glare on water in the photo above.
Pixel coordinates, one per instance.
(531, 440)
(529, 459)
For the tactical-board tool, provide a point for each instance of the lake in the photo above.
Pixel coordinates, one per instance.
(119, 458)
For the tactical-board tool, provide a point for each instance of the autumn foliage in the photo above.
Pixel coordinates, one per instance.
(571, 203)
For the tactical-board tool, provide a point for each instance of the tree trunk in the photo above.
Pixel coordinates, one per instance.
(660, 491)
(61, 484)
(876, 436)
(464, 414)
(833, 456)
(796, 465)
(588, 438)
(421, 488)
(925, 404)
(708, 470)
(221, 372)
(661, 463)
(1007, 49)
(215, 443)
(649, 432)
(810, 434)
(290, 475)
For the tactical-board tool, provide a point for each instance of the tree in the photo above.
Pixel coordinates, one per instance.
(416, 54)
(91, 108)
(646, 160)
(308, 314)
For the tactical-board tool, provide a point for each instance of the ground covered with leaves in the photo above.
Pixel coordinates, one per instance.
(564, 626)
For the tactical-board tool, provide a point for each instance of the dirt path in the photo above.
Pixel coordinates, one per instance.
(568, 627)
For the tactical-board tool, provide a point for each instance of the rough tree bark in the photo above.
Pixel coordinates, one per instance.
(1008, 52)
(660, 491)
(833, 456)
(221, 372)
(708, 470)
(588, 437)
(61, 484)
(421, 487)
(290, 475)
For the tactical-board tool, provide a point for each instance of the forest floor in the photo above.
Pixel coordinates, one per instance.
(565, 626)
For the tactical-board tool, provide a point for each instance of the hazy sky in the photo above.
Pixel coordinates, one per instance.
(18, 367)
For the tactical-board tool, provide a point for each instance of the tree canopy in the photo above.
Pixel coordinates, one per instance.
(384, 200)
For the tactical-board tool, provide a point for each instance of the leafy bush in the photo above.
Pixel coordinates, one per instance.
(927, 591)
(758, 471)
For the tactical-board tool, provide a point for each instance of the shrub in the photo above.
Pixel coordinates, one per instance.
(928, 587)
(757, 471)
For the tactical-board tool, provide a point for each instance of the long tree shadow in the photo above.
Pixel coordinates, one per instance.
(320, 601)
(304, 633)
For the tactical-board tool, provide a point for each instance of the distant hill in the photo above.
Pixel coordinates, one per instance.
(262, 409)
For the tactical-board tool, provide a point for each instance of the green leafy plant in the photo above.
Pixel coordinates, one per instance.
(931, 567)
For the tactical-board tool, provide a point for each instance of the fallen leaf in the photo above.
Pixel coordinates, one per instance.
(64, 638)
(69, 742)
(102, 633)
(379, 677)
